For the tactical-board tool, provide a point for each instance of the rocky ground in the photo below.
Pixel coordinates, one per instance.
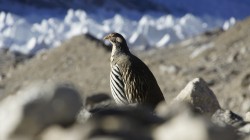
(41, 95)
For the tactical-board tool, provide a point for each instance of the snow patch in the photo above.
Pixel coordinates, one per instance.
(18, 34)
(229, 23)
(201, 49)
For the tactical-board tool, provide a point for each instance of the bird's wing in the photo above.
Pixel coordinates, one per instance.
(117, 85)
(138, 80)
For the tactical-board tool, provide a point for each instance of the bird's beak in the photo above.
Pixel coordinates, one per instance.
(106, 37)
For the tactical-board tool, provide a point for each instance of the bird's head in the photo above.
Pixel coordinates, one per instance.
(118, 42)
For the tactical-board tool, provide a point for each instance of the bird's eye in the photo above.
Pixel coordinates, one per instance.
(118, 39)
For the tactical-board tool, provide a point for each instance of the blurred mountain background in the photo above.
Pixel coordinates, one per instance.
(145, 24)
(44, 43)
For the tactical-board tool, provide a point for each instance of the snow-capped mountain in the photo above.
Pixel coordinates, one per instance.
(31, 25)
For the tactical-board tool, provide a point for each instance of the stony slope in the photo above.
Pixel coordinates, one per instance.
(220, 58)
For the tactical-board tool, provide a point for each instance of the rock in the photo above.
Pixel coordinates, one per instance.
(245, 130)
(226, 117)
(171, 69)
(11, 108)
(83, 116)
(177, 129)
(246, 80)
(185, 124)
(37, 106)
(97, 101)
(233, 57)
(7, 62)
(162, 109)
(247, 137)
(198, 94)
(167, 111)
(201, 50)
(2, 76)
(247, 118)
(245, 104)
(75, 132)
(122, 123)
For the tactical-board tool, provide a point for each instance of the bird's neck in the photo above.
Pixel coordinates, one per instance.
(118, 50)
(114, 51)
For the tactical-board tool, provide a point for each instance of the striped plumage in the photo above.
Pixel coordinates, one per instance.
(117, 86)
(131, 81)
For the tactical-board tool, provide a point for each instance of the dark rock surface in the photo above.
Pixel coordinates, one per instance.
(123, 123)
(227, 117)
(98, 101)
(246, 80)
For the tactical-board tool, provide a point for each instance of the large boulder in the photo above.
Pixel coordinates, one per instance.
(200, 96)
(36, 106)
(183, 122)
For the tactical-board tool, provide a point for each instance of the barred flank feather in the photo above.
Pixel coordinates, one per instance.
(117, 86)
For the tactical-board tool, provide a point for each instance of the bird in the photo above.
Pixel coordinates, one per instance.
(131, 81)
